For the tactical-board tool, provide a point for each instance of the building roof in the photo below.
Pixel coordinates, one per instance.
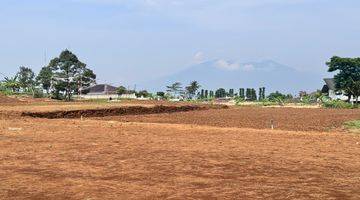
(100, 89)
(330, 82)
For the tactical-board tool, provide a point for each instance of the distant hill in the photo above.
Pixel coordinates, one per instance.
(221, 73)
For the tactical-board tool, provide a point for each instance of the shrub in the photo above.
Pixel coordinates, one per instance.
(273, 102)
(38, 93)
(269, 103)
(338, 104)
(6, 92)
(239, 100)
(279, 97)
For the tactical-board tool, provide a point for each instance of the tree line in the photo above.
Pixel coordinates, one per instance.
(66, 75)
(63, 77)
(193, 91)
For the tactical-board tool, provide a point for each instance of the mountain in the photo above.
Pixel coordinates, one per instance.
(227, 74)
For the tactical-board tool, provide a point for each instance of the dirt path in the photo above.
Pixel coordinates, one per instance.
(73, 159)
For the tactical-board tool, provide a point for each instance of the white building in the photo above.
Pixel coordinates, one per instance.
(99, 91)
(331, 90)
(104, 91)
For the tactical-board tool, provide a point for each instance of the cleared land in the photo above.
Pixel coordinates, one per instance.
(205, 154)
(295, 119)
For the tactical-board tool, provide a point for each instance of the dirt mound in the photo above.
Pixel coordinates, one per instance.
(6, 100)
(129, 110)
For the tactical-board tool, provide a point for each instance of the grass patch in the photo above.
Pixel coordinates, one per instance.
(338, 104)
(353, 125)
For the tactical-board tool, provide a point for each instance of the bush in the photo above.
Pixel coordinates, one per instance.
(279, 97)
(38, 93)
(338, 104)
(239, 100)
(267, 102)
(308, 100)
(6, 92)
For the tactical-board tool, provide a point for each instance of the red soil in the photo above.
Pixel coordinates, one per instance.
(7, 100)
(73, 159)
(297, 119)
(202, 154)
(123, 111)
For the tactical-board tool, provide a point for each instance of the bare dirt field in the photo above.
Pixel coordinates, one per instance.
(203, 154)
(296, 119)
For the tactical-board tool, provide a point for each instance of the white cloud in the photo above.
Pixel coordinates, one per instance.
(232, 66)
(223, 64)
(248, 67)
(199, 57)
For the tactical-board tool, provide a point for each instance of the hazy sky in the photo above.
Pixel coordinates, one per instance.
(127, 41)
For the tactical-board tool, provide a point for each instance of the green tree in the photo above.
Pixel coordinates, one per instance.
(248, 94)
(12, 83)
(261, 93)
(121, 90)
(160, 94)
(69, 74)
(192, 88)
(231, 92)
(242, 93)
(355, 90)
(44, 78)
(211, 94)
(206, 94)
(275, 96)
(26, 78)
(220, 93)
(348, 74)
(253, 94)
(84, 78)
(143, 93)
(202, 94)
(174, 89)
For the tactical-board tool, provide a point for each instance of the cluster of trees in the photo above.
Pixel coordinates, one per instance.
(249, 94)
(193, 91)
(64, 76)
(142, 93)
(262, 95)
(190, 91)
(347, 80)
(24, 81)
(277, 96)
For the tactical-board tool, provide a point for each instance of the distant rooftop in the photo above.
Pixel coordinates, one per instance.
(330, 82)
(100, 89)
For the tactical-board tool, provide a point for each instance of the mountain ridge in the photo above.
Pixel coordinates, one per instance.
(220, 73)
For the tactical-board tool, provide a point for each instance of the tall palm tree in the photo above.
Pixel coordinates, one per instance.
(175, 89)
(192, 88)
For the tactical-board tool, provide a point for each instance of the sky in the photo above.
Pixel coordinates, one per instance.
(130, 41)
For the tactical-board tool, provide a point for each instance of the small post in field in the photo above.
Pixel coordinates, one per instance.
(272, 124)
(81, 118)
